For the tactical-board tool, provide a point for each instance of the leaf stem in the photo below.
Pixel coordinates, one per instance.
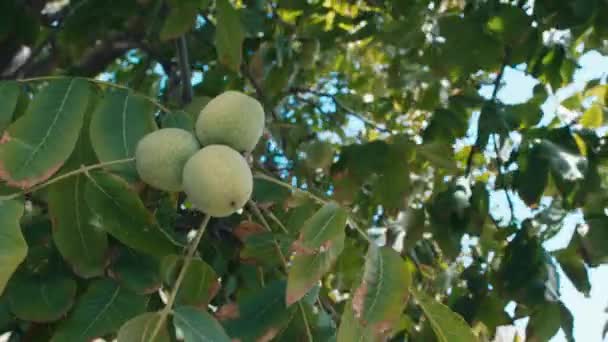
(290, 187)
(182, 274)
(95, 81)
(256, 211)
(306, 323)
(351, 220)
(82, 169)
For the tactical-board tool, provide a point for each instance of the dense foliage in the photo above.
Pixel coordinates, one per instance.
(372, 214)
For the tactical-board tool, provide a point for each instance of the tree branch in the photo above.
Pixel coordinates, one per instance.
(184, 69)
(259, 92)
(95, 59)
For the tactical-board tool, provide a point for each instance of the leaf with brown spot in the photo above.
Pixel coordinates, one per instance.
(247, 228)
(383, 292)
(38, 143)
(351, 329)
(326, 224)
(307, 269)
(228, 311)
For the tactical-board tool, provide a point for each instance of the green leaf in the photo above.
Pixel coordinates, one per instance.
(135, 271)
(351, 329)
(198, 325)
(199, 286)
(179, 119)
(140, 329)
(122, 214)
(195, 107)
(6, 317)
(229, 35)
(575, 269)
(307, 320)
(447, 325)
(326, 224)
(544, 322)
(80, 242)
(9, 95)
(181, 18)
(595, 242)
(35, 146)
(260, 314)
(102, 309)
(13, 247)
(593, 117)
(438, 154)
(268, 192)
(119, 122)
(567, 322)
(43, 299)
(262, 248)
(307, 269)
(491, 121)
(533, 177)
(383, 292)
(445, 126)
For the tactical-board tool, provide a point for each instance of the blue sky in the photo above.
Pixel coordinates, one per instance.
(589, 313)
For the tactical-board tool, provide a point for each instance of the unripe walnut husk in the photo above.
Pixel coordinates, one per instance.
(218, 180)
(160, 157)
(233, 119)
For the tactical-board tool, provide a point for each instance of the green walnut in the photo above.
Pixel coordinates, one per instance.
(160, 157)
(319, 154)
(233, 119)
(218, 180)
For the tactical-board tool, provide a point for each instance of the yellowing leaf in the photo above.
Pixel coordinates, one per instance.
(593, 117)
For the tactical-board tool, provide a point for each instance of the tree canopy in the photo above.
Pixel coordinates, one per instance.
(373, 213)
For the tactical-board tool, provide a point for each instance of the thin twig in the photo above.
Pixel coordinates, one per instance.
(182, 274)
(95, 81)
(275, 220)
(312, 196)
(184, 69)
(501, 178)
(497, 84)
(351, 221)
(256, 211)
(82, 169)
(259, 92)
(342, 106)
(306, 324)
